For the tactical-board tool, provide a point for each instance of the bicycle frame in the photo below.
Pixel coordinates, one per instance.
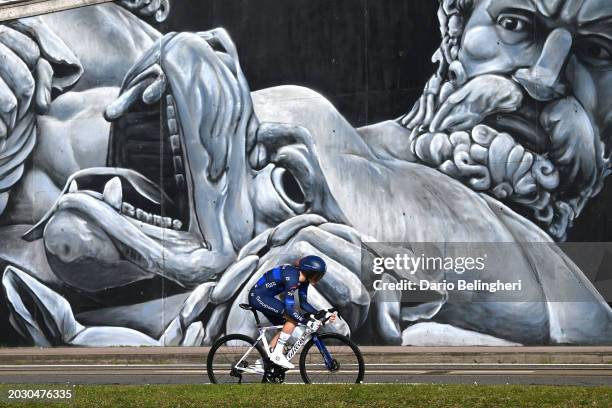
(291, 353)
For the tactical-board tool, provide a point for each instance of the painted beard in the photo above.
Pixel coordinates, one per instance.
(544, 161)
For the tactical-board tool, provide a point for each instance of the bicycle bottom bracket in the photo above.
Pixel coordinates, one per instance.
(275, 375)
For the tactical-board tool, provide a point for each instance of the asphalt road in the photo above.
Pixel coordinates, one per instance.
(565, 374)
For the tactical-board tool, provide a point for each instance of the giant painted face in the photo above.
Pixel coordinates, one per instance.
(520, 106)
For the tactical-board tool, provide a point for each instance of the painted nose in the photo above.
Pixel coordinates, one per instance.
(542, 81)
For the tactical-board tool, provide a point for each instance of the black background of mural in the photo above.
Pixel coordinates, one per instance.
(370, 58)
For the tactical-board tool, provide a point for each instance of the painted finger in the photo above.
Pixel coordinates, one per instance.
(228, 61)
(18, 77)
(155, 91)
(233, 279)
(410, 115)
(287, 229)
(152, 72)
(231, 110)
(3, 135)
(220, 40)
(44, 83)
(240, 320)
(422, 311)
(194, 335)
(441, 114)
(420, 115)
(178, 330)
(59, 325)
(20, 44)
(459, 120)
(343, 231)
(195, 304)
(386, 315)
(8, 109)
(215, 324)
(257, 245)
(334, 247)
(344, 289)
(4, 197)
(125, 101)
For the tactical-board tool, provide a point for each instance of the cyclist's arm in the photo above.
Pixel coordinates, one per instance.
(290, 305)
(303, 294)
(291, 280)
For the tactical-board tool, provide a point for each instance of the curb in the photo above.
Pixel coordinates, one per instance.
(373, 355)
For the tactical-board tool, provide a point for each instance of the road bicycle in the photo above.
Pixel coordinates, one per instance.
(240, 359)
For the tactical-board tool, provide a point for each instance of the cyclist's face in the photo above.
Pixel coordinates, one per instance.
(314, 281)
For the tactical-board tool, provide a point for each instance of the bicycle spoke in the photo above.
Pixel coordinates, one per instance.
(229, 363)
(347, 364)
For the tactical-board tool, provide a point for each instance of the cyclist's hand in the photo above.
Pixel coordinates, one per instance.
(330, 317)
(313, 325)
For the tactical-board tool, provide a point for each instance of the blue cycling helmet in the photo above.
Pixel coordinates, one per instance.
(313, 267)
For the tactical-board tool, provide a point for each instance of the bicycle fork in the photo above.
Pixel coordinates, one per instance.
(327, 358)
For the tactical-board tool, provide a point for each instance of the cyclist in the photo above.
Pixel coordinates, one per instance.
(287, 279)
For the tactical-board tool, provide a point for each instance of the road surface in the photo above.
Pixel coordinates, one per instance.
(560, 374)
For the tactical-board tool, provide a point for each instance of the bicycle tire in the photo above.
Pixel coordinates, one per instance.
(357, 368)
(232, 358)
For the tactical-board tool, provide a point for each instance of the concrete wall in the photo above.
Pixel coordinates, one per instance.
(156, 160)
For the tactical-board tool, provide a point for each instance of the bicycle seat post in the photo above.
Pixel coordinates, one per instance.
(246, 306)
(256, 318)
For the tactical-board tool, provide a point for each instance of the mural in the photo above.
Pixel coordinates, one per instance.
(145, 188)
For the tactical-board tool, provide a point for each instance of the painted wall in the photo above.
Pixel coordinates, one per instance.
(153, 167)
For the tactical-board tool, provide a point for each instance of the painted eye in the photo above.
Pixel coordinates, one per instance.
(594, 52)
(514, 24)
(597, 51)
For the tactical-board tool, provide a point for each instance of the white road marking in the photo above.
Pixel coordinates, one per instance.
(497, 372)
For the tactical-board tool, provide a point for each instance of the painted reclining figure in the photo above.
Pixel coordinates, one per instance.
(145, 188)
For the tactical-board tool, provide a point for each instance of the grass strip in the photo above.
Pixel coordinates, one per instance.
(337, 396)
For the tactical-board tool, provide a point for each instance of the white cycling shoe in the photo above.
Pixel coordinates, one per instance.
(279, 358)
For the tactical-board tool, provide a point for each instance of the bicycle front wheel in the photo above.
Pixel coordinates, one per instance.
(235, 359)
(335, 359)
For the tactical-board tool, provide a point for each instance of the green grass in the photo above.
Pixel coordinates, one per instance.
(337, 396)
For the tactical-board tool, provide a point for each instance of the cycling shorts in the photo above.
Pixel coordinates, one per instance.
(269, 306)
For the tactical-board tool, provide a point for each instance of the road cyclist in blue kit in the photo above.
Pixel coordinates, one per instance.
(281, 294)
(289, 280)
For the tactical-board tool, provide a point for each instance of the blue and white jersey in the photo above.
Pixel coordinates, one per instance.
(285, 279)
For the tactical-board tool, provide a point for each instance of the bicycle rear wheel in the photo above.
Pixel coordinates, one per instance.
(225, 363)
(345, 367)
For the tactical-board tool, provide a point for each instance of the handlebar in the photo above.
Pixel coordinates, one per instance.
(321, 314)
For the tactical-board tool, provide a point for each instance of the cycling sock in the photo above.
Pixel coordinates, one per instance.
(282, 339)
